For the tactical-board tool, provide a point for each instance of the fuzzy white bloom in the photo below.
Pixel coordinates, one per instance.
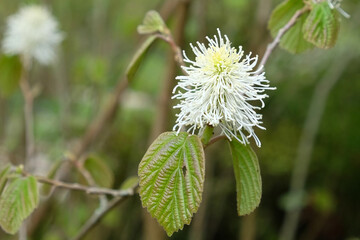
(218, 90)
(32, 33)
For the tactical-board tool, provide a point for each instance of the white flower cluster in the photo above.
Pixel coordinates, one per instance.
(218, 90)
(32, 33)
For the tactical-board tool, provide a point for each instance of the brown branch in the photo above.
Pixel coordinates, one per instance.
(271, 46)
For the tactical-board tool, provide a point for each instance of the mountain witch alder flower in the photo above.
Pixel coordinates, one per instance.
(32, 33)
(220, 86)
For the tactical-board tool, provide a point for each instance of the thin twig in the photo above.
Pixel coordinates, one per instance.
(281, 33)
(83, 188)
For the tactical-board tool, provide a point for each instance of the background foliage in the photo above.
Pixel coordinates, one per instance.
(100, 40)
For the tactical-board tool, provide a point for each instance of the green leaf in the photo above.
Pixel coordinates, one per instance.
(171, 176)
(100, 172)
(152, 23)
(17, 202)
(322, 26)
(293, 40)
(247, 176)
(3, 177)
(10, 72)
(139, 55)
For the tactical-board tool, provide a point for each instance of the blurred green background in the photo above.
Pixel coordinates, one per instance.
(100, 40)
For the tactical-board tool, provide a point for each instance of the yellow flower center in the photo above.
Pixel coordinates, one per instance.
(218, 60)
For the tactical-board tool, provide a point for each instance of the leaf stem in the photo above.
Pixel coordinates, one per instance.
(214, 140)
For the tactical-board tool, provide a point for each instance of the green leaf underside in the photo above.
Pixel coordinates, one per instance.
(293, 40)
(247, 176)
(152, 23)
(17, 202)
(3, 177)
(99, 171)
(138, 56)
(171, 179)
(322, 26)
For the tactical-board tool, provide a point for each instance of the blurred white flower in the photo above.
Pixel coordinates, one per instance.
(32, 33)
(218, 90)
